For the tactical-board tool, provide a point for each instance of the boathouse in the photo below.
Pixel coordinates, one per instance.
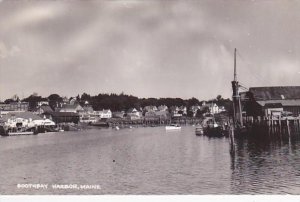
(265, 101)
(62, 117)
(24, 119)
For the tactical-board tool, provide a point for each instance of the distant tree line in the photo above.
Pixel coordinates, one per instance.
(119, 102)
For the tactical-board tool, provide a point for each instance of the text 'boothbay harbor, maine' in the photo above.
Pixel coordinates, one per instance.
(128, 145)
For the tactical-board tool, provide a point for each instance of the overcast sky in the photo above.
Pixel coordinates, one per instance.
(146, 48)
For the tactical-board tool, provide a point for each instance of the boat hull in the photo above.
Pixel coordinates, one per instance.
(173, 128)
(213, 132)
(99, 124)
(20, 133)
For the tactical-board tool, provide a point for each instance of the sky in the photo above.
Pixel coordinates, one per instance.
(147, 48)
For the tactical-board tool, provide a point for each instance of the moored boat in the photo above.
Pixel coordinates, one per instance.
(99, 124)
(173, 127)
(20, 133)
(199, 130)
(213, 130)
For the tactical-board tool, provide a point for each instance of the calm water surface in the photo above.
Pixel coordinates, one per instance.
(148, 161)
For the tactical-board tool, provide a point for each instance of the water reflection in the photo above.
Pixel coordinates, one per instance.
(150, 161)
(266, 165)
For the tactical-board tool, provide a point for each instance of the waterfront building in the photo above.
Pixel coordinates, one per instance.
(262, 101)
(87, 109)
(14, 107)
(150, 108)
(62, 117)
(86, 114)
(133, 117)
(103, 114)
(175, 111)
(162, 108)
(212, 108)
(134, 111)
(118, 114)
(24, 119)
(76, 108)
(134, 114)
(162, 114)
(106, 114)
(151, 115)
(183, 110)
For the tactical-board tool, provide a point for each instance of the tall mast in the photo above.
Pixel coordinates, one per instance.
(237, 108)
(235, 77)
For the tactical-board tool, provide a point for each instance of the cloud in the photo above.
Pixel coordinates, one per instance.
(147, 48)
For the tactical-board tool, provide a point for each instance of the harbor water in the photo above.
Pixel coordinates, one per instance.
(147, 161)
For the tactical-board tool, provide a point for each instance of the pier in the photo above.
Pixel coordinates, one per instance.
(264, 111)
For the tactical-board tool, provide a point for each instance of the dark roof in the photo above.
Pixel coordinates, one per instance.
(69, 106)
(273, 105)
(275, 93)
(130, 110)
(285, 103)
(46, 108)
(68, 114)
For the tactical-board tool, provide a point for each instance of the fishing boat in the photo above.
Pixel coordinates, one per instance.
(213, 130)
(173, 127)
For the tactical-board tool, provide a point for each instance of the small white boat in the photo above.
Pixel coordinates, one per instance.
(173, 127)
(20, 133)
(117, 128)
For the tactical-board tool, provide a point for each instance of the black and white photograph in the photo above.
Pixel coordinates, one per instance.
(149, 97)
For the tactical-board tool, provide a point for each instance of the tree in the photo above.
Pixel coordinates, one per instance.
(54, 100)
(192, 101)
(33, 100)
(202, 111)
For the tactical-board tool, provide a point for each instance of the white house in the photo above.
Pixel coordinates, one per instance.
(106, 114)
(71, 108)
(133, 111)
(214, 108)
